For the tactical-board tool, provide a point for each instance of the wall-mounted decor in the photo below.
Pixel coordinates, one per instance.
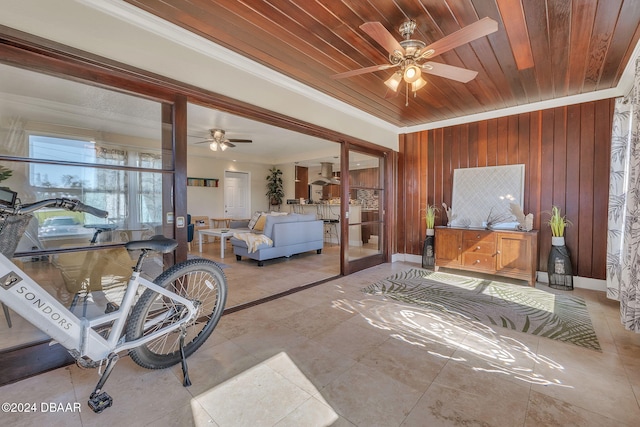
(202, 182)
(488, 191)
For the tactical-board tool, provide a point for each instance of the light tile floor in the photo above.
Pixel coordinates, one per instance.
(331, 355)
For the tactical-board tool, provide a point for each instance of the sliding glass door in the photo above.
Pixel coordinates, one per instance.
(366, 243)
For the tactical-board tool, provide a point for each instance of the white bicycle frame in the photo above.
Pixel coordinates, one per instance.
(24, 296)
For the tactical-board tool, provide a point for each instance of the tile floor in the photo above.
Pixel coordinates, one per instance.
(248, 282)
(333, 356)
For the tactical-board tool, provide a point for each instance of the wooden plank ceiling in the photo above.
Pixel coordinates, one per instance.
(548, 49)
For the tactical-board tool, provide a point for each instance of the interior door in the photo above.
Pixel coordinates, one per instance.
(236, 195)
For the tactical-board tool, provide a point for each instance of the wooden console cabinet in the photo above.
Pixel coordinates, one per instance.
(503, 253)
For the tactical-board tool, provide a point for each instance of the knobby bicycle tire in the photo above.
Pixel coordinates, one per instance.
(199, 280)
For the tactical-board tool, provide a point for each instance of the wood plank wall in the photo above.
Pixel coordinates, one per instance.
(566, 153)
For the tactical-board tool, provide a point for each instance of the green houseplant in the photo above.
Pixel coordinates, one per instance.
(430, 216)
(275, 191)
(5, 173)
(557, 222)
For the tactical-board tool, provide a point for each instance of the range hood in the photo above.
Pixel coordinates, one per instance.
(326, 175)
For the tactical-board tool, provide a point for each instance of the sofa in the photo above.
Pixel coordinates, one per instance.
(290, 234)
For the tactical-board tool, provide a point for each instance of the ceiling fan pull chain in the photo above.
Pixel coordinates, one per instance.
(406, 104)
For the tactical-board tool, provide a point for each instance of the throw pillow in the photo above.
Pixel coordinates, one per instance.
(273, 213)
(254, 219)
(260, 222)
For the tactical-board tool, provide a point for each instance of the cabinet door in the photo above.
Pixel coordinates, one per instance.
(448, 247)
(514, 252)
(301, 183)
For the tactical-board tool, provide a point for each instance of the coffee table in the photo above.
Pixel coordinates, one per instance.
(222, 233)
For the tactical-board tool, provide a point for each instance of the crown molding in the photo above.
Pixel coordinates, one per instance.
(175, 34)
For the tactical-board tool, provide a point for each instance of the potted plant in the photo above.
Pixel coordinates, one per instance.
(275, 191)
(559, 264)
(428, 249)
(558, 223)
(5, 173)
(430, 219)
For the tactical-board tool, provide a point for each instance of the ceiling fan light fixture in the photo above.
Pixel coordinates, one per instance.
(223, 146)
(213, 146)
(418, 84)
(412, 73)
(409, 53)
(393, 81)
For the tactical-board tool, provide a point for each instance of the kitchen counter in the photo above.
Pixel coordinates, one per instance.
(355, 216)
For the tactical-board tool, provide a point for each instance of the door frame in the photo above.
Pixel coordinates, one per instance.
(247, 192)
(387, 169)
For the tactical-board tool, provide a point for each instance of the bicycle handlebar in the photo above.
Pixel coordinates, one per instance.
(68, 204)
(81, 207)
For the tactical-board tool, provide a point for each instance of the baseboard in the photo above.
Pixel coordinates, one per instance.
(578, 282)
(541, 276)
(407, 258)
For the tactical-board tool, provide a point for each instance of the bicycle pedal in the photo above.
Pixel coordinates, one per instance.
(111, 307)
(100, 402)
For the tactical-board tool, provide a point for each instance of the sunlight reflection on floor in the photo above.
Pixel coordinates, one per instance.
(269, 392)
(500, 354)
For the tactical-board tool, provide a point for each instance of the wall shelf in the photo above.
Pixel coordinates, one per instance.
(202, 182)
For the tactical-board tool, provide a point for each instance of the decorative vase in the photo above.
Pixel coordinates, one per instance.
(428, 250)
(559, 265)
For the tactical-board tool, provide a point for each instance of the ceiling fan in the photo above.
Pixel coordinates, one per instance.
(217, 140)
(411, 56)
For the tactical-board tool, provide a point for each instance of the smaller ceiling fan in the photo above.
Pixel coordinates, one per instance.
(411, 56)
(218, 140)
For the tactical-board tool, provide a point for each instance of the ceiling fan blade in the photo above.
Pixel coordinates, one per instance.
(239, 140)
(362, 71)
(465, 35)
(449, 71)
(379, 33)
(228, 144)
(206, 141)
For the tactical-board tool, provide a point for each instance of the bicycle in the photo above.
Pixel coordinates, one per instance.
(170, 320)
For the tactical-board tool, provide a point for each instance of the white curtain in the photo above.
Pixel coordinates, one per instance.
(623, 245)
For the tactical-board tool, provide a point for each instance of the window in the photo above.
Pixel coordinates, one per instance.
(132, 198)
(64, 138)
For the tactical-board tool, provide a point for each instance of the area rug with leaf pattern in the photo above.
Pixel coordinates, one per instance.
(518, 307)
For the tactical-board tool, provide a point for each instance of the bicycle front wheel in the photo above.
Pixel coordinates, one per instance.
(200, 281)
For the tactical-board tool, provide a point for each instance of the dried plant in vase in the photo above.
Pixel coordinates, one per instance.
(497, 218)
(525, 222)
(449, 212)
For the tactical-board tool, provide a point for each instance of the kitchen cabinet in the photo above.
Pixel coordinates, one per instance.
(331, 191)
(366, 178)
(301, 182)
(369, 230)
